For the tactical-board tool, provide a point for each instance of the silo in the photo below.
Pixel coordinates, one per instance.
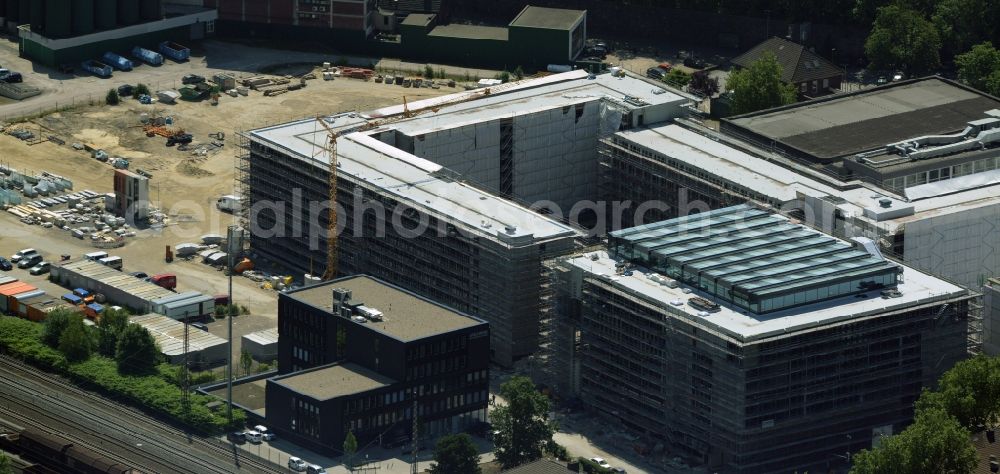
(37, 9)
(105, 14)
(83, 17)
(58, 18)
(24, 11)
(12, 11)
(150, 10)
(128, 12)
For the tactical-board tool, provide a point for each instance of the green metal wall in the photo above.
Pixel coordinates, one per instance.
(74, 55)
(540, 47)
(83, 17)
(527, 47)
(58, 18)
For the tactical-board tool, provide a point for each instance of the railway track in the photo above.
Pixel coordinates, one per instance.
(158, 447)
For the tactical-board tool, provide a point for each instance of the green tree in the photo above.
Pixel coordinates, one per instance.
(677, 78)
(969, 391)
(519, 73)
(5, 465)
(935, 442)
(903, 39)
(246, 361)
(75, 342)
(504, 76)
(456, 454)
(350, 447)
(428, 71)
(703, 84)
(112, 97)
(963, 23)
(523, 425)
(136, 353)
(977, 65)
(759, 86)
(109, 327)
(141, 89)
(993, 83)
(55, 323)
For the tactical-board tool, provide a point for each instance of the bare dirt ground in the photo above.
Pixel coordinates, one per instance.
(183, 185)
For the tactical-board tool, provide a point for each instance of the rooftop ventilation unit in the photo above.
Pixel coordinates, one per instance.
(340, 298)
(370, 314)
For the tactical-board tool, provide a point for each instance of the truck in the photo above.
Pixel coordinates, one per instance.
(175, 51)
(149, 57)
(113, 262)
(166, 280)
(118, 62)
(97, 68)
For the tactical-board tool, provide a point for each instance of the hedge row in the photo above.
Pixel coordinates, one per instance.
(22, 339)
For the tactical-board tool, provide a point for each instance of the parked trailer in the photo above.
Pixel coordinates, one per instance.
(149, 57)
(119, 62)
(97, 68)
(175, 51)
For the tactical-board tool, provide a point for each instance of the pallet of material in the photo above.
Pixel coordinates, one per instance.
(273, 93)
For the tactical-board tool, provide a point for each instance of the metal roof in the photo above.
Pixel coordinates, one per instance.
(749, 251)
(548, 18)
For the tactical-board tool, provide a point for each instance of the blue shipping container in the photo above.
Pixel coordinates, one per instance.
(147, 56)
(117, 61)
(71, 298)
(175, 51)
(97, 68)
(82, 293)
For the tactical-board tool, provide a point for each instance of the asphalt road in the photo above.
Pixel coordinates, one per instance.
(30, 398)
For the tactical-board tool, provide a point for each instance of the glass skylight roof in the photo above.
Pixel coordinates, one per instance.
(754, 259)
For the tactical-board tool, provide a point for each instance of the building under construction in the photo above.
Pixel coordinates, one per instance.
(408, 211)
(751, 342)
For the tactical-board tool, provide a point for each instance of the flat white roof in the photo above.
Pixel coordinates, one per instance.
(169, 334)
(779, 182)
(917, 288)
(413, 181)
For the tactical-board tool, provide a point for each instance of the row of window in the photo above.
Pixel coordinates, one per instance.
(438, 367)
(384, 419)
(443, 346)
(924, 177)
(305, 418)
(822, 293)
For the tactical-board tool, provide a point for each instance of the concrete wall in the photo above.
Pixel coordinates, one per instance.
(962, 246)
(554, 153)
(44, 54)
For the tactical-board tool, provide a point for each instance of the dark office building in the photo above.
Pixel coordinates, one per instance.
(353, 354)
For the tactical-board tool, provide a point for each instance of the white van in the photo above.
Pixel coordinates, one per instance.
(113, 262)
(95, 256)
(229, 203)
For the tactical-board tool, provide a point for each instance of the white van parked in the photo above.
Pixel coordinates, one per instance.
(229, 203)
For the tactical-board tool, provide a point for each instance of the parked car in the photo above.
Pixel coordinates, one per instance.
(139, 275)
(618, 470)
(314, 469)
(42, 267)
(126, 90)
(29, 261)
(13, 77)
(656, 73)
(254, 436)
(5, 265)
(601, 462)
(296, 464)
(203, 327)
(237, 437)
(192, 79)
(265, 433)
(21, 254)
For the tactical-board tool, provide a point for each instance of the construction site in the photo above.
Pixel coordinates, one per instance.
(431, 165)
(751, 342)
